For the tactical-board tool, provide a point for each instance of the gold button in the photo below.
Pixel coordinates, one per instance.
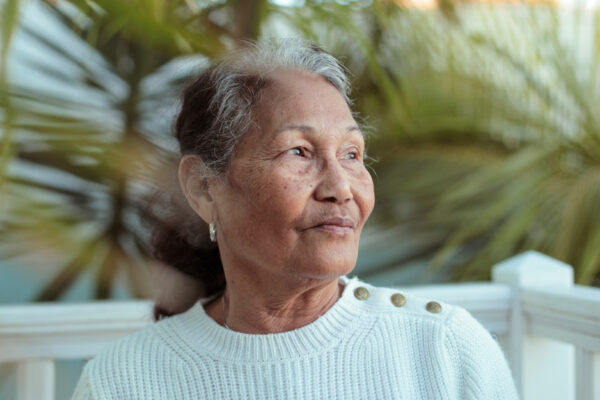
(361, 293)
(398, 300)
(433, 307)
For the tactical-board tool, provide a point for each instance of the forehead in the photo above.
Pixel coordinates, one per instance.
(299, 98)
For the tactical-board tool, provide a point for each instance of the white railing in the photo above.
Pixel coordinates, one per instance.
(554, 336)
(37, 334)
(548, 328)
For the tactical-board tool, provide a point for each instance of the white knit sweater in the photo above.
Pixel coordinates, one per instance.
(359, 349)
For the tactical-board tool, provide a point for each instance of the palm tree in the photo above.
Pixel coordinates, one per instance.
(497, 150)
(85, 141)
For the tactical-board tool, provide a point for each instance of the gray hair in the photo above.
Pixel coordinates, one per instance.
(217, 108)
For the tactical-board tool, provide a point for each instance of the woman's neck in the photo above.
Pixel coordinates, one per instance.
(258, 307)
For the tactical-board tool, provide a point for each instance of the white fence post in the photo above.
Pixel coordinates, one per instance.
(542, 368)
(587, 373)
(35, 380)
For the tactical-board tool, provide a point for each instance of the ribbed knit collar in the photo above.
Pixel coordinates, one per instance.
(205, 336)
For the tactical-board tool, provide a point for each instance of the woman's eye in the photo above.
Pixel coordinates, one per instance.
(297, 151)
(353, 155)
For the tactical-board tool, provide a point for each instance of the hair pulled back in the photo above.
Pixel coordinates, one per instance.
(216, 111)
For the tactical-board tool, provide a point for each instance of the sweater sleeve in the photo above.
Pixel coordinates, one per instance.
(484, 371)
(83, 390)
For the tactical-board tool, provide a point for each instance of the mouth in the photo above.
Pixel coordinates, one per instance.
(336, 225)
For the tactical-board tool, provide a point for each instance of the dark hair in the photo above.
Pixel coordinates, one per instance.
(216, 111)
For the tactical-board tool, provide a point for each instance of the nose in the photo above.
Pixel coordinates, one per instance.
(334, 185)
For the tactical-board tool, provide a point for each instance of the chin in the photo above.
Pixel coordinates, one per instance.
(328, 267)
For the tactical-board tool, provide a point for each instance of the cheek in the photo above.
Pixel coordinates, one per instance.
(288, 193)
(277, 197)
(365, 194)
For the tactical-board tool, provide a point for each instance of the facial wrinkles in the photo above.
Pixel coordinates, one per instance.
(252, 173)
(252, 179)
(245, 168)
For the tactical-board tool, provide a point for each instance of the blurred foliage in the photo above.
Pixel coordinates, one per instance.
(488, 143)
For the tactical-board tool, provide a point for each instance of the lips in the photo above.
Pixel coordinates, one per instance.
(336, 225)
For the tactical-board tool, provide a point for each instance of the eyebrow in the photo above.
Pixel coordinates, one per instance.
(310, 129)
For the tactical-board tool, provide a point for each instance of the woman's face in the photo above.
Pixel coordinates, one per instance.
(297, 193)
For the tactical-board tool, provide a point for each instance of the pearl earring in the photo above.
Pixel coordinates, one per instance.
(212, 231)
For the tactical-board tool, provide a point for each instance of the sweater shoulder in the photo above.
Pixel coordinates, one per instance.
(473, 357)
(456, 324)
(403, 303)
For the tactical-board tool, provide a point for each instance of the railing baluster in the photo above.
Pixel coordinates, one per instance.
(536, 362)
(35, 380)
(587, 374)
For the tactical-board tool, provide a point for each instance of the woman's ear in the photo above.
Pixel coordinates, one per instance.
(195, 186)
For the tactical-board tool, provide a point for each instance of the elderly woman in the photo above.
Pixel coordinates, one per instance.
(272, 161)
